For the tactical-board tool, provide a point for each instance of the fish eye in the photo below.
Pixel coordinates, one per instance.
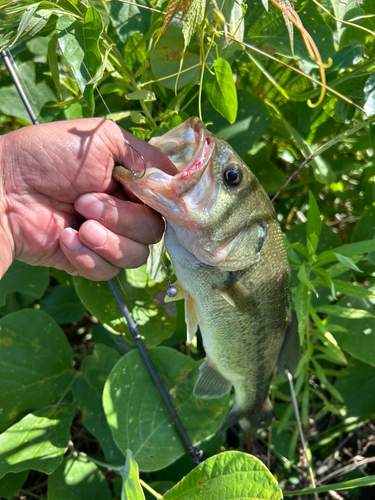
(232, 175)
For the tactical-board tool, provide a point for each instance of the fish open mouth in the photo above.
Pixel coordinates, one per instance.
(189, 147)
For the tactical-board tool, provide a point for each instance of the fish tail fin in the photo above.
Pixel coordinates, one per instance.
(249, 419)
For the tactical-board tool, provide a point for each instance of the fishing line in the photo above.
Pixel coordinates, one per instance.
(194, 452)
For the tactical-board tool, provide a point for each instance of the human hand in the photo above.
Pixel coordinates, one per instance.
(56, 175)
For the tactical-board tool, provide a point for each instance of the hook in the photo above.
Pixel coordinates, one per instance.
(141, 157)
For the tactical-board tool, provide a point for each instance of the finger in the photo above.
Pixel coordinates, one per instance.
(118, 250)
(85, 261)
(135, 221)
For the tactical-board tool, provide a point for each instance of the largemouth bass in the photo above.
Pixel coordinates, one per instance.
(229, 258)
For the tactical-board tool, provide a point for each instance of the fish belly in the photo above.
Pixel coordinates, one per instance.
(243, 348)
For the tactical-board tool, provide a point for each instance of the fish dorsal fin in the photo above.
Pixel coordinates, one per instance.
(191, 317)
(180, 293)
(210, 384)
(290, 352)
(238, 296)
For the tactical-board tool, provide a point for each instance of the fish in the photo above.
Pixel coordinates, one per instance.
(227, 251)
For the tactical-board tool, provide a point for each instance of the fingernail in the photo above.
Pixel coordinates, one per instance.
(89, 206)
(70, 239)
(93, 233)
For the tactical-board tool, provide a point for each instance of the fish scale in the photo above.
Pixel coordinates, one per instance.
(227, 251)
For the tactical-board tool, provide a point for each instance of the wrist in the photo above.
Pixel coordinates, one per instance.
(6, 239)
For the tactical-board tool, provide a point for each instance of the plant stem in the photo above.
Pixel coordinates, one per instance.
(151, 490)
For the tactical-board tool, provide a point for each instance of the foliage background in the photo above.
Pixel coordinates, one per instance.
(67, 363)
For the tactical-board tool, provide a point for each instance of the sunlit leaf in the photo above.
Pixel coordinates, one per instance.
(221, 90)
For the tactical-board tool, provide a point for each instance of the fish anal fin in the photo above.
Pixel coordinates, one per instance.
(180, 293)
(210, 384)
(290, 352)
(239, 297)
(191, 317)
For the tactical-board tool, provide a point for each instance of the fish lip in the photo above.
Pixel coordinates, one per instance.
(186, 178)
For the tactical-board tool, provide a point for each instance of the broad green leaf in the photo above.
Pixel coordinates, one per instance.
(35, 363)
(166, 57)
(313, 224)
(193, 19)
(221, 90)
(270, 177)
(131, 487)
(154, 322)
(79, 45)
(63, 305)
(253, 120)
(43, 433)
(358, 339)
(365, 229)
(77, 479)
(357, 387)
(21, 277)
(88, 388)
(138, 417)
(39, 93)
(11, 483)
(141, 95)
(341, 9)
(126, 19)
(229, 475)
(369, 90)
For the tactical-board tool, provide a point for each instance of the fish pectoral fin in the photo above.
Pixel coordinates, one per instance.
(180, 293)
(290, 352)
(238, 296)
(210, 384)
(191, 317)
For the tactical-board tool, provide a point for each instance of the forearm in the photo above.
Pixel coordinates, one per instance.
(6, 245)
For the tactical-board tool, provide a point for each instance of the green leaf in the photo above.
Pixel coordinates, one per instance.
(302, 276)
(193, 19)
(126, 19)
(35, 363)
(357, 387)
(11, 484)
(138, 417)
(141, 95)
(353, 290)
(43, 433)
(21, 277)
(131, 487)
(165, 59)
(78, 479)
(33, 21)
(347, 261)
(227, 476)
(63, 305)
(88, 389)
(345, 312)
(361, 247)
(79, 45)
(358, 337)
(369, 90)
(221, 90)
(313, 224)
(154, 322)
(253, 120)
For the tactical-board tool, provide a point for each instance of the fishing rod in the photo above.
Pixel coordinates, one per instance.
(194, 452)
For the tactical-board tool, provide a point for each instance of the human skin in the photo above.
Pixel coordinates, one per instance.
(59, 205)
